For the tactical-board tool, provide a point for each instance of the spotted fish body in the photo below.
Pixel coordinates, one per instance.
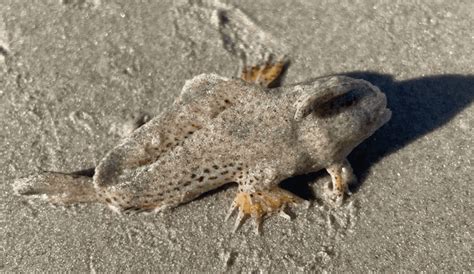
(227, 130)
(172, 159)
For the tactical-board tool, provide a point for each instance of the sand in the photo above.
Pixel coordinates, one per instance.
(74, 73)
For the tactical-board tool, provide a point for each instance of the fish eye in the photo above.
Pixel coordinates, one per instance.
(341, 103)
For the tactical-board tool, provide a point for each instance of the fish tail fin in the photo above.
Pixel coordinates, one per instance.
(57, 188)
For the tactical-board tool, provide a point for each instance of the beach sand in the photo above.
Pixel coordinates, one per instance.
(74, 73)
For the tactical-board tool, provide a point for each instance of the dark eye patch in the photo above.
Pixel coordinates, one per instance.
(340, 104)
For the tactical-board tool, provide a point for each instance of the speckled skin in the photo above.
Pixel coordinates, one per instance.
(221, 130)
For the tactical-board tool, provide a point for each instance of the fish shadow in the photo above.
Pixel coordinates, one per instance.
(419, 106)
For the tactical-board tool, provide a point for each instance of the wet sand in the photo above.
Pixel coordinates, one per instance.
(74, 73)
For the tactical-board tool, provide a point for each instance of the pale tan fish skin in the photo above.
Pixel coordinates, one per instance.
(224, 130)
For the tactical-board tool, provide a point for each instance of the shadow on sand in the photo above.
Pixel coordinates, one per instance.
(419, 106)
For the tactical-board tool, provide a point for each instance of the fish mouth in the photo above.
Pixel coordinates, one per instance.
(383, 117)
(381, 114)
(387, 114)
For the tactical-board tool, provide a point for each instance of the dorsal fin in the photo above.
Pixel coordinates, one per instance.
(198, 86)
